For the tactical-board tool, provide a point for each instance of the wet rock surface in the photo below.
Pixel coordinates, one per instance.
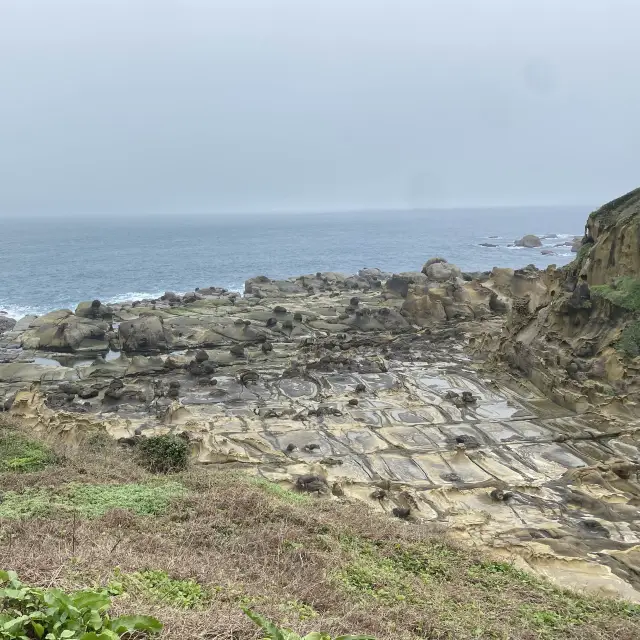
(359, 387)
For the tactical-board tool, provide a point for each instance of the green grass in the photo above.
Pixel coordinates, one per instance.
(273, 488)
(18, 453)
(159, 586)
(436, 575)
(629, 342)
(90, 500)
(623, 292)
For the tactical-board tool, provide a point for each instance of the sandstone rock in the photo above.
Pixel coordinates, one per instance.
(399, 283)
(63, 331)
(94, 310)
(439, 270)
(576, 244)
(146, 333)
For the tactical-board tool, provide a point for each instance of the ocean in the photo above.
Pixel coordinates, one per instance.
(51, 262)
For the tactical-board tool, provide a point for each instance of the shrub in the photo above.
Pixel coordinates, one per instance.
(52, 614)
(163, 454)
(276, 633)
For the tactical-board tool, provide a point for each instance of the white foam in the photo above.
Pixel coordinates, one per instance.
(16, 311)
(131, 296)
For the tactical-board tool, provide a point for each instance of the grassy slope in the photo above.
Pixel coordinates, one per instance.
(215, 540)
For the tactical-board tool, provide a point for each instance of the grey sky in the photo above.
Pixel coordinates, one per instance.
(258, 105)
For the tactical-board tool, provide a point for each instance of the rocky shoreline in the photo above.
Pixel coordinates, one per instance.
(497, 405)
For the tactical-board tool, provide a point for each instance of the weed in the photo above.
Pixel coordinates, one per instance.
(301, 610)
(182, 594)
(276, 633)
(163, 454)
(29, 612)
(90, 500)
(18, 453)
(283, 493)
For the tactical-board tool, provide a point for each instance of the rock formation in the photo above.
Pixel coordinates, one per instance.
(365, 387)
(578, 337)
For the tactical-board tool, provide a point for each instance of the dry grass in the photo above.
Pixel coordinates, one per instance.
(308, 564)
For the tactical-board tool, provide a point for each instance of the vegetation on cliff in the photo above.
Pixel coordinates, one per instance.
(619, 210)
(193, 549)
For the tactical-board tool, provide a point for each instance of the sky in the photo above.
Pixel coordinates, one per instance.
(204, 106)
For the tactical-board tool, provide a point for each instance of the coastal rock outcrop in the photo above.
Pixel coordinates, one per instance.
(529, 241)
(575, 331)
(146, 333)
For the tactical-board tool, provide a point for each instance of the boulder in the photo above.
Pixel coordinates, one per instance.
(529, 241)
(170, 296)
(63, 331)
(576, 244)
(439, 270)
(6, 324)
(146, 333)
(94, 310)
(398, 284)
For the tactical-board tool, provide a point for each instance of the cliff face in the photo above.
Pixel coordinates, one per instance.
(613, 231)
(579, 340)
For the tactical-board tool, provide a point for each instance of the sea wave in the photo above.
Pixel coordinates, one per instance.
(130, 296)
(17, 311)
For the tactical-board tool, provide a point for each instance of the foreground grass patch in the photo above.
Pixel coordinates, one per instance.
(90, 500)
(19, 453)
(159, 586)
(281, 492)
(470, 599)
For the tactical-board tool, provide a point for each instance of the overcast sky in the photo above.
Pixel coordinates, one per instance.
(158, 106)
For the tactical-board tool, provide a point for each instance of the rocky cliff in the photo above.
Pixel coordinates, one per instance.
(579, 339)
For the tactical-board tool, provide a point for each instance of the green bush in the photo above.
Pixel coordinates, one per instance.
(18, 453)
(276, 633)
(52, 614)
(163, 454)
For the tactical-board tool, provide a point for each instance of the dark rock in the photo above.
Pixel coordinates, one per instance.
(401, 512)
(237, 350)
(266, 347)
(354, 402)
(360, 387)
(271, 322)
(201, 356)
(297, 316)
(6, 324)
(468, 397)
(530, 241)
(311, 483)
(378, 494)
(500, 495)
(279, 309)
